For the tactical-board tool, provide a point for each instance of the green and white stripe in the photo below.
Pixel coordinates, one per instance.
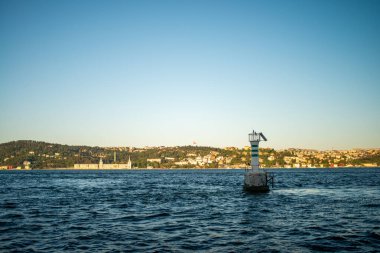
(255, 154)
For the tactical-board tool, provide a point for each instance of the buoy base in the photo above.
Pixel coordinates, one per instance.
(256, 181)
(258, 189)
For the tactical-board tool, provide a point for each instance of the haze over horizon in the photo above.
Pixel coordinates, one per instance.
(196, 145)
(167, 73)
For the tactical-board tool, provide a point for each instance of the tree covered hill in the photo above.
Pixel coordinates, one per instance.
(50, 155)
(40, 155)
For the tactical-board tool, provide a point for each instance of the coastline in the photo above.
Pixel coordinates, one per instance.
(147, 169)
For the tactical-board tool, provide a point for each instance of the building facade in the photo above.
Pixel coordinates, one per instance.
(104, 166)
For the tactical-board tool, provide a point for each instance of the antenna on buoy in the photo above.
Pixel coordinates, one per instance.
(256, 179)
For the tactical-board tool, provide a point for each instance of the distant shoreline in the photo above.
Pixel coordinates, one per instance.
(145, 169)
(38, 155)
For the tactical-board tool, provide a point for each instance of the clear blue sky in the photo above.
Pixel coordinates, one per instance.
(135, 73)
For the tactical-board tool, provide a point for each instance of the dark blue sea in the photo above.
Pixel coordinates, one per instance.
(336, 210)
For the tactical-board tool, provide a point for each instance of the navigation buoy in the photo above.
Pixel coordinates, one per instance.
(256, 179)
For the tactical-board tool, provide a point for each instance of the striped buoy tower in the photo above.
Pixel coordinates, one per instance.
(256, 179)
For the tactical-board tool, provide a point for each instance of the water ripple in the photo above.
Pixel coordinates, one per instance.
(188, 210)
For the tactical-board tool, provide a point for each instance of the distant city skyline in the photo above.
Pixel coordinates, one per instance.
(167, 73)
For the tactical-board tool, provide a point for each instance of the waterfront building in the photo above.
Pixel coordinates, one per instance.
(105, 166)
(181, 163)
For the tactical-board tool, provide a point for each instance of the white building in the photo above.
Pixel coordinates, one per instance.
(154, 160)
(101, 165)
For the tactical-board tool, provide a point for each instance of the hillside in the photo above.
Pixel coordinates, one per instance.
(40, 155)
(49, 155)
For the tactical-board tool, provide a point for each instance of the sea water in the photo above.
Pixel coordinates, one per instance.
(187, 210)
